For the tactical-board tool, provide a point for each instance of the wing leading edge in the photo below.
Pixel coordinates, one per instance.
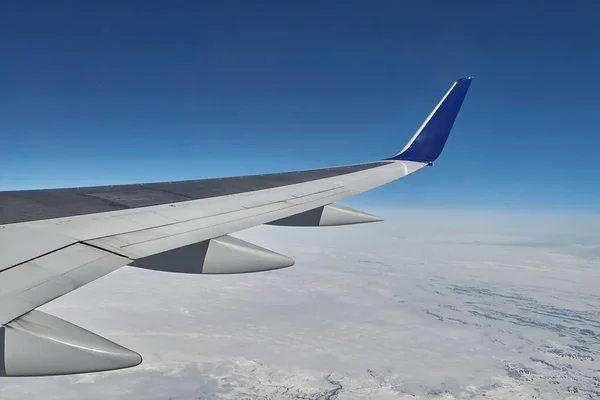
(54, 241)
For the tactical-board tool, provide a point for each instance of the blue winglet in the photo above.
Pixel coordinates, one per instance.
(427, 144)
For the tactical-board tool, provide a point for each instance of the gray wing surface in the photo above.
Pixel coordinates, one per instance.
(32, 205)
(54, 241)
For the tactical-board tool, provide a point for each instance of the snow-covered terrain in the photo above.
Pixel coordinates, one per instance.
(440, 305)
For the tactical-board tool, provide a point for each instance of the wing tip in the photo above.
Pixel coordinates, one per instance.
(428, 142)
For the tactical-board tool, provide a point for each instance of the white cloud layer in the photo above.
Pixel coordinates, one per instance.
(441, 305)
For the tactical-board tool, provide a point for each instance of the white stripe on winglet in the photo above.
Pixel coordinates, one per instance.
(425, 123)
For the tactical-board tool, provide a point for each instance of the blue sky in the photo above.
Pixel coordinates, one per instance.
(114, 92)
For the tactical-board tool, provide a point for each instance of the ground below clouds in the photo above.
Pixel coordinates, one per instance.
(370, 312)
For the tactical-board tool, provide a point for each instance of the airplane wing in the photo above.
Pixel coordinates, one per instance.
(55, 240)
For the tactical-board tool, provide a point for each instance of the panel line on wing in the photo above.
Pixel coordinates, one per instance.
(103, 249)
(286, 204)
(36, 257)
(216, 217)
(53, 275)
